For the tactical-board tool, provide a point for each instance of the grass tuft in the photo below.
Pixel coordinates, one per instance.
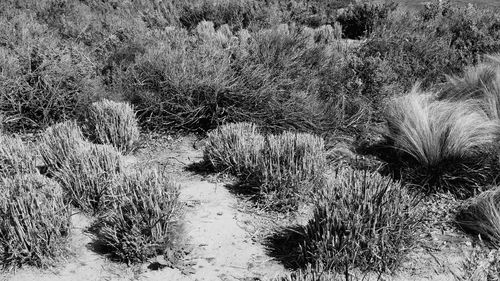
(142, 221)
(114, 123)
(35, 221)
(481, 216)
(89, 175)
(361, 219)
(15, 157)
(443, 145)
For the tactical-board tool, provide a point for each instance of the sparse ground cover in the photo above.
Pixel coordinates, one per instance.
(343, 122)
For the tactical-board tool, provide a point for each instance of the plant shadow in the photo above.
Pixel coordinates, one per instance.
(285, 246)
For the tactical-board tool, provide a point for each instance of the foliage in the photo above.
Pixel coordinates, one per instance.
(481, 217)
(446, 146)
(35, 221)
(142, 221)
(114, 123)
(361, 219)
(16, 157)
(88, 176)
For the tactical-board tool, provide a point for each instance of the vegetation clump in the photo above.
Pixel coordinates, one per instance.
(361, 220)
(142, 220)
(442, 145)
(113, 123)
(34, 221)
(16, 157)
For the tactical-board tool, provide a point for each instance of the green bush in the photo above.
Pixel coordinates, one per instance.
(361, 220)
(59, 143)
(235, 148)
(16, 157)
(34, 223)
(114, 123)
(442, 145)
(480, 216)
(143, 219)
(88, 176)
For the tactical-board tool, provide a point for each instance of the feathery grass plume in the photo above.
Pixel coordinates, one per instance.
(88, 177)
(15, 157)
(289, 164)
(34, 221)
(235, 148)
(361, 219)
(60, 143)
(143, 219)
(481, 83)
(445, 145)
(109, 122)
(481, 216)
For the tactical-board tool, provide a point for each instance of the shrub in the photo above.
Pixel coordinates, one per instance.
(114, 123)
(35, 220)
(446, 146)
(290, 163)
(235, 148)
(88, 177)
(59, 143)
(361, 219)
(15, 157)
(481, 217)
(142, 221)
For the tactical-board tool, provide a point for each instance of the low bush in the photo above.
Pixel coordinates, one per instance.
(34, 221)
(290, 163)
(143, 219)
(88, 176)
(316, 273)
(114, 123)
(480, 216)
(59, 143)
(441, 145)
(235, 148)
(16, 157)
(361, 220)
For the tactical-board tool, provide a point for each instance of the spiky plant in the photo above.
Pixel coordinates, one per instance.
(142, 221)
(59, 143)
(481, 216)
(235, 148)
(114, 123)
(15, 157)
(361, 219)
(88, 176)
(443, 145)
(34, 221)
(290, 163)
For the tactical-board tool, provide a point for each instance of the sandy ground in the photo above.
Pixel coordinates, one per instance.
(223, 234)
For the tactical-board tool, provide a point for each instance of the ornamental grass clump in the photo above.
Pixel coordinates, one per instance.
(361, 220)
(60, 143)
(114, 123)
(235, 148)
(15, 157)
(290, 163)
(443, 145)
(143, 219)
(88, 177)
(35, 221)
(481, 216)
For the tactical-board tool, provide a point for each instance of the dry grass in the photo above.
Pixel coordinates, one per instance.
(361, 220)
(60, 143)
(15, 157)
(89, 176)
(443, 142)
(481, 216)
(35, 221)
(235, 148)
(142, 221)
(114, 123)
